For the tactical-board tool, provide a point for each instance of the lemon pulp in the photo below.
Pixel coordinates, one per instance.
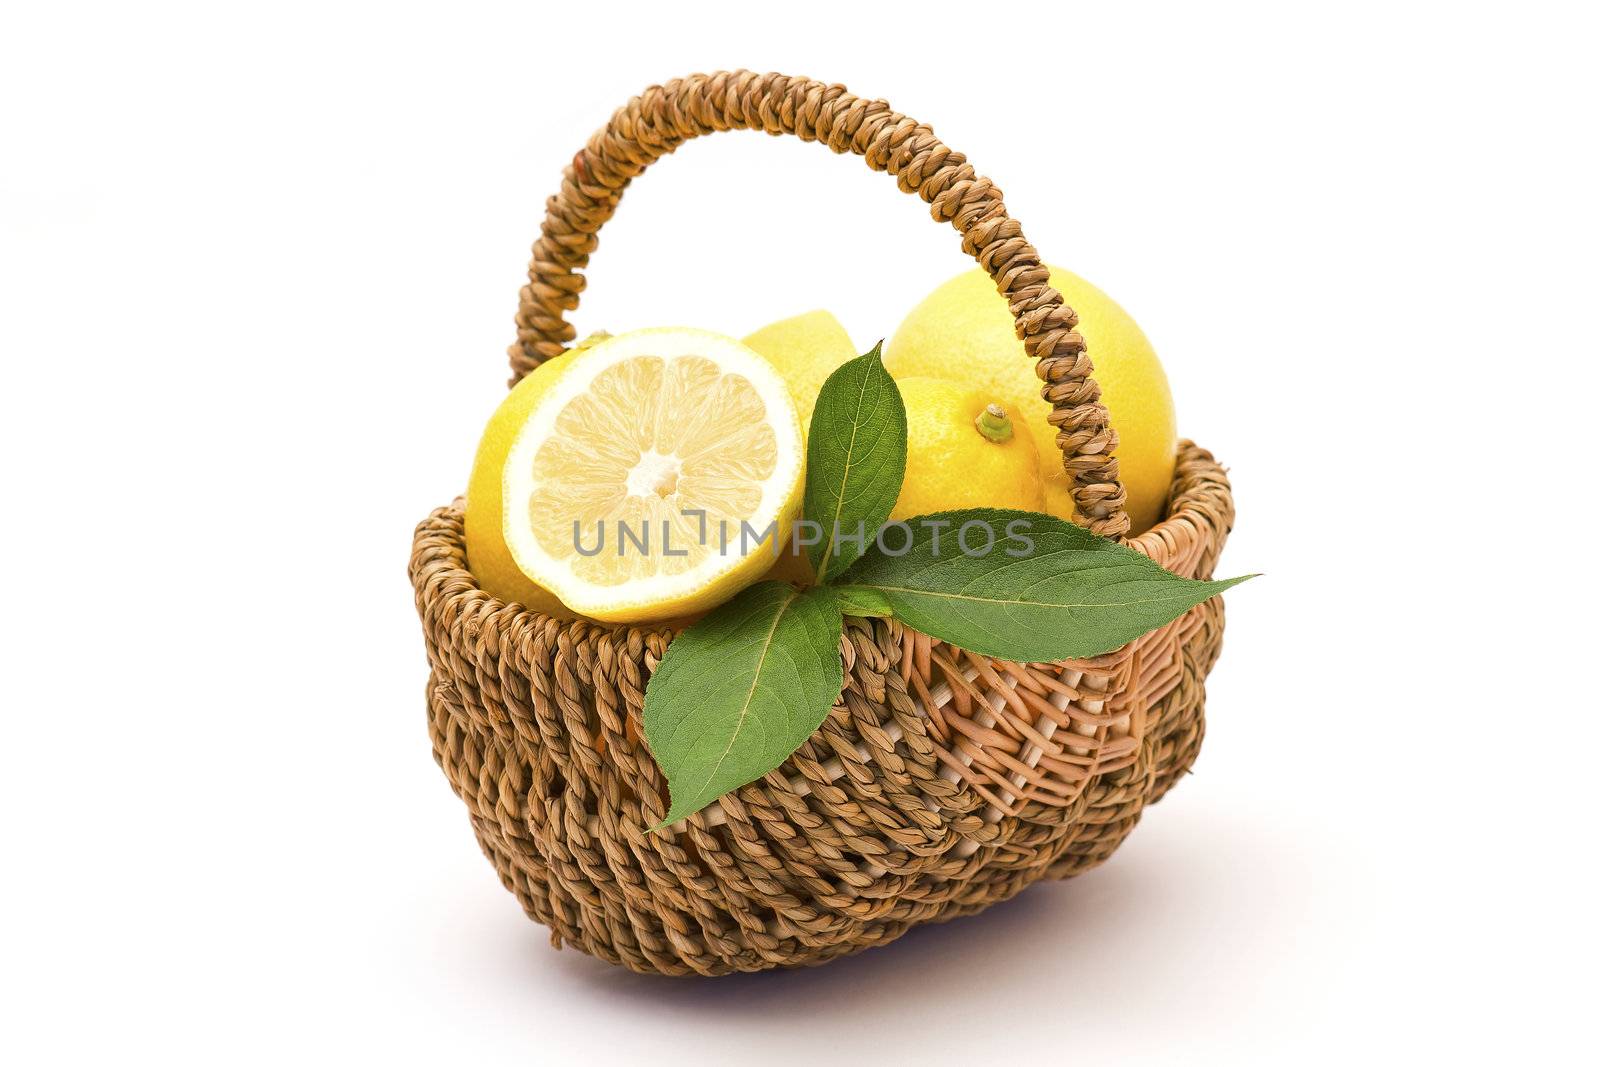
(654, 477)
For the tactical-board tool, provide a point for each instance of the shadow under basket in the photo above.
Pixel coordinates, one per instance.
(942, 782)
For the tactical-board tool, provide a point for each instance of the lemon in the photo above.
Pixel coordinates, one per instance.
(650, 480)
(488, 558)
(963, 451)
(804, 349)
(963, 331)
(792, 566)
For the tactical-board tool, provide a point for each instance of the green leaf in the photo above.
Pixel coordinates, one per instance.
(855, 460)
(1045, 590)
(862, 602)
(741, 689)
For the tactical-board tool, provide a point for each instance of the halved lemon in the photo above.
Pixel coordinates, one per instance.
(653, 479)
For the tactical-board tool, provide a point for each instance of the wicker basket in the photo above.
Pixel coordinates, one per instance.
(941, 783)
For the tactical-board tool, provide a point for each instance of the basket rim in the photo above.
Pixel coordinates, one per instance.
(1195, 476)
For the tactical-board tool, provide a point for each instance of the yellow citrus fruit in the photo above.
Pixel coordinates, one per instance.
(488, 558)
(792, 566)
(804, 349)
(1053, 476)
(963, 331)
(963, 451)
(649, 480)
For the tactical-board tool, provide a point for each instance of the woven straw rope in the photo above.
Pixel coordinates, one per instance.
(942, 781)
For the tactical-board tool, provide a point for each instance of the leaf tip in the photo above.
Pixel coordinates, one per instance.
(674, 816)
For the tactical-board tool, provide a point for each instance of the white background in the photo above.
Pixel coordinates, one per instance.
(257, 272)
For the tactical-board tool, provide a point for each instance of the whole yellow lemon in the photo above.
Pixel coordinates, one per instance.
(964, 332)
(963, 451)
(488, 558)
(792, 565)
(804, 350)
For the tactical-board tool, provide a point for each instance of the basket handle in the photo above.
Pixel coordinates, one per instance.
(663, 117)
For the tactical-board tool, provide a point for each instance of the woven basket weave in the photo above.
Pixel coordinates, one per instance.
(941, 783)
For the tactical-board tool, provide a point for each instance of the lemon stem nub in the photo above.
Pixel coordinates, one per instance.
(994, 423)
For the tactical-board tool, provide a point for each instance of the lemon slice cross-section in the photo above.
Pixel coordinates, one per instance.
(655, 477)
